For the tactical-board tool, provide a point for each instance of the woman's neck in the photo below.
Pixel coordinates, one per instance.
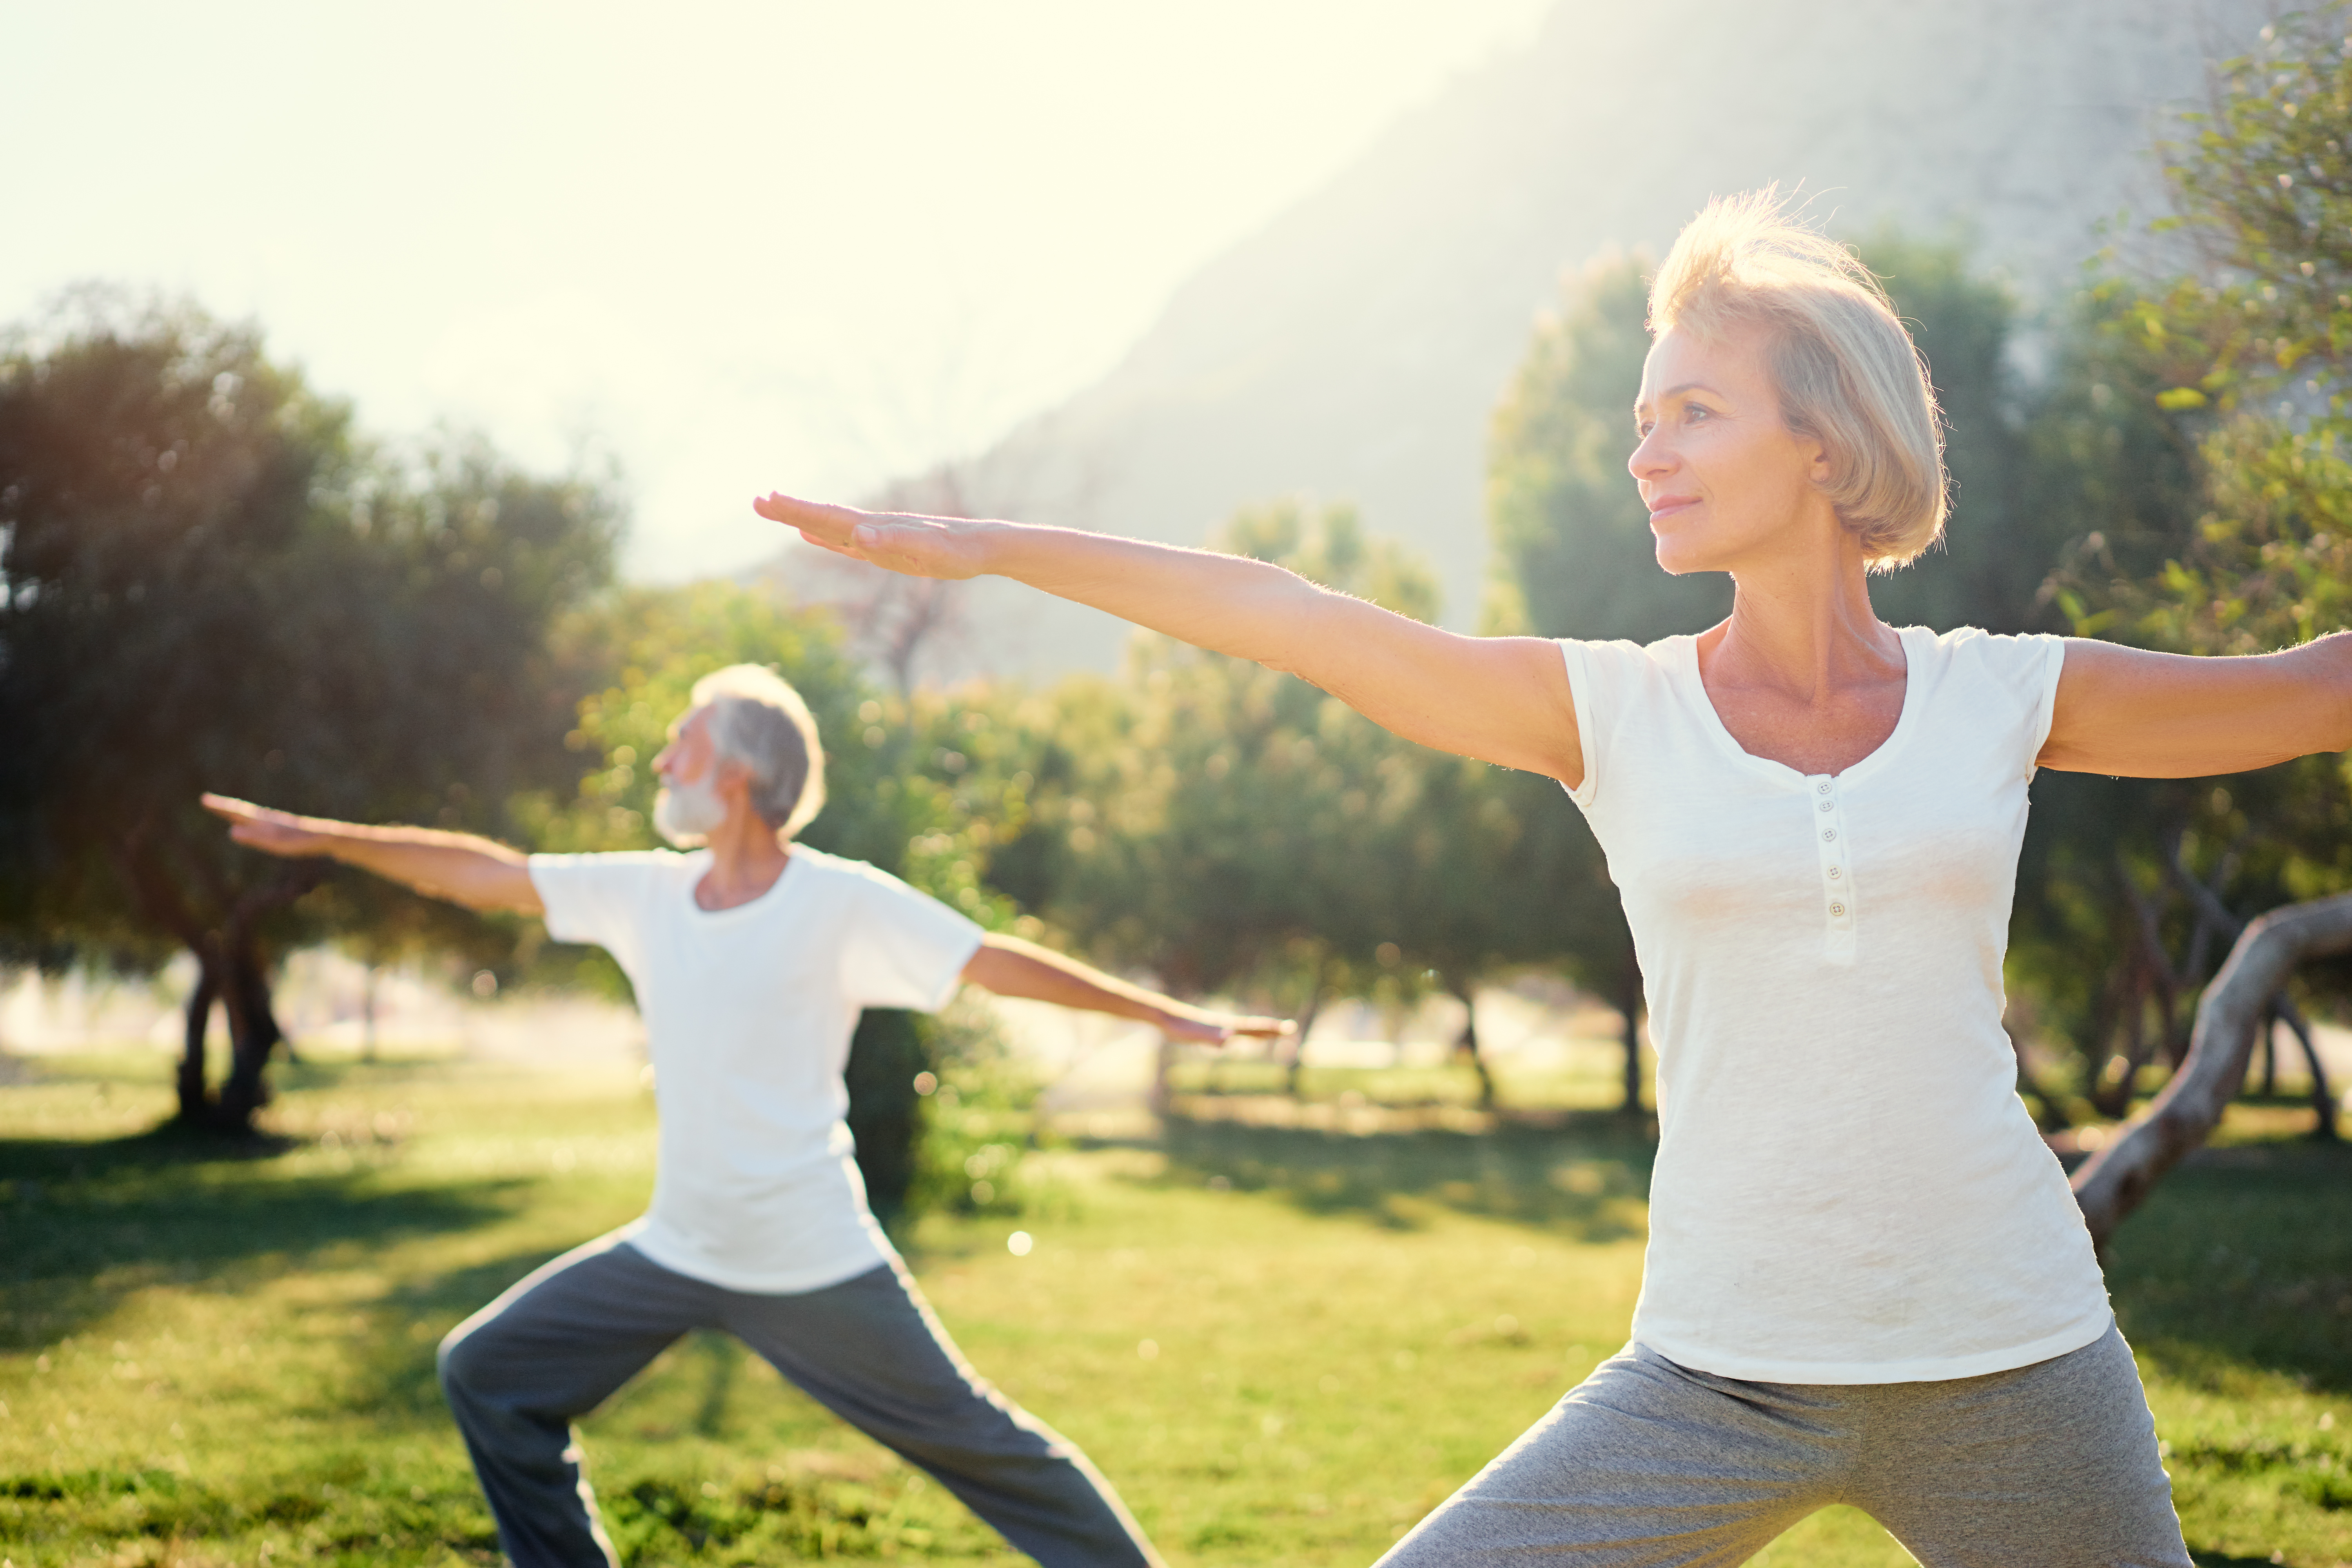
(1804, 673)
(1802, 626)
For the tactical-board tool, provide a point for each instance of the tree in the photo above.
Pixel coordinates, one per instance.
(2234, 1012)
(1213, 822)
(1491, 870)
(212, 583)
(1230, 827)
(2248, 351)
(1217, 805)
(1573, 555)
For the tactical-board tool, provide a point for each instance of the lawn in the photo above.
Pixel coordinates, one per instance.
(1285, 1345)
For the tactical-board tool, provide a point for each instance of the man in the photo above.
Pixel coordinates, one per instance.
(752, 958)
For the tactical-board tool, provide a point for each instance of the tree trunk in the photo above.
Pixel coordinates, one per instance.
(220, 931)
(1468, 1046)
(367, 1015)
(2118, 1179)
(2323, 1099)
(195, 1106)
(1298, 1038)
(1629, 1005)
(254, 1034)
(2158, 980)
(2053, 1117)
(2115, 1098)
(1163, 1093)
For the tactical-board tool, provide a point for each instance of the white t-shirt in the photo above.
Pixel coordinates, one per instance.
(748, 1016)
(1847, 1188)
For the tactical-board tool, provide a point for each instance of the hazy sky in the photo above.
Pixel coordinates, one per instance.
(740, 246)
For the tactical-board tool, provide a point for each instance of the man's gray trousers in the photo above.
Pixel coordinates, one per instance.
(518, 1371)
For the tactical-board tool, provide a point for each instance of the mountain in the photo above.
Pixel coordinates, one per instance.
(1353, 348)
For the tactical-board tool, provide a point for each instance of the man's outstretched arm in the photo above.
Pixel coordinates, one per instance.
(1011, 967)
(462, 867)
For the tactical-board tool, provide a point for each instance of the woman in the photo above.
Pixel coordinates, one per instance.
(1867, 1281)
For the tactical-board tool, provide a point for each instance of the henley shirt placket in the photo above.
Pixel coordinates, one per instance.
(1837, 868)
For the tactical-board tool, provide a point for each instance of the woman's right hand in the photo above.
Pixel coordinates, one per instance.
(913, 546)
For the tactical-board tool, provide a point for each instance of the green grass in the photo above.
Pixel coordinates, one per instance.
(210, 1356)
(1588, 1080)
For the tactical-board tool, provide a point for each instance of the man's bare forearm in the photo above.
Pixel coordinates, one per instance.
(1011, 967)
(462, 867)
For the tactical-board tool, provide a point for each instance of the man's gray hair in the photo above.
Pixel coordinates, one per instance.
(759, 720)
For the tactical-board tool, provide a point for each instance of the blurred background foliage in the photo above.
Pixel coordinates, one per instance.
(214, 580)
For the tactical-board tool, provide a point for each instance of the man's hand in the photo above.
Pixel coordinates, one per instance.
(1220, 1028)
(1012, 967)
(271, 832)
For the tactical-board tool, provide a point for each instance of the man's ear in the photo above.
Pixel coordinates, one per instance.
(730, 779)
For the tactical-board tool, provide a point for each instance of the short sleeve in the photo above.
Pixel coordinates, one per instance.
(597, 898)
(903, 948)
(2052, 651)
(2012, 678)
(1597, 674)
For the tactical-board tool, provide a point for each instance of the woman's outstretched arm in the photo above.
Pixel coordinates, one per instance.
(1504, 700)
(2137, 714)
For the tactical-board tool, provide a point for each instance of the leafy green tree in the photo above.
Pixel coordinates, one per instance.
(2002, 537)
(1490, 871)
(2247, 353)
(1214, 793)
(1571, 548)
(1231, 828)
(210, 582)
(2120, 478)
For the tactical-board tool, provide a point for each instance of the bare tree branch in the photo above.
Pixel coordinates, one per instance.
(2118, 1179)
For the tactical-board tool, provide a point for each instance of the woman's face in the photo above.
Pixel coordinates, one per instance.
(1726, 482)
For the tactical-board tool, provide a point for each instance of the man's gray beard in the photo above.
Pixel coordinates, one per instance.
(686, 814)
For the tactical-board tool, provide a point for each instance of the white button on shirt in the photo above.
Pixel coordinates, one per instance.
(1847, 1189)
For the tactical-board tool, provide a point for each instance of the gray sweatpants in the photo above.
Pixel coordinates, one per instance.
(1647, 1464)
(518, 1371)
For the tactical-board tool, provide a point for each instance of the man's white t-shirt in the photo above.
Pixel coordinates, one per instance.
(748, 1014)
(1847, 1188)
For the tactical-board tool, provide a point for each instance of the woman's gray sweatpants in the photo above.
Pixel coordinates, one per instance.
(1647, 1464)
(518, 1371)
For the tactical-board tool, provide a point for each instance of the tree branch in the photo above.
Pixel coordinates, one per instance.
(2118, 1179)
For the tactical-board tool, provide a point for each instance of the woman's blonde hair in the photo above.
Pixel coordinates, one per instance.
(1848, 373)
